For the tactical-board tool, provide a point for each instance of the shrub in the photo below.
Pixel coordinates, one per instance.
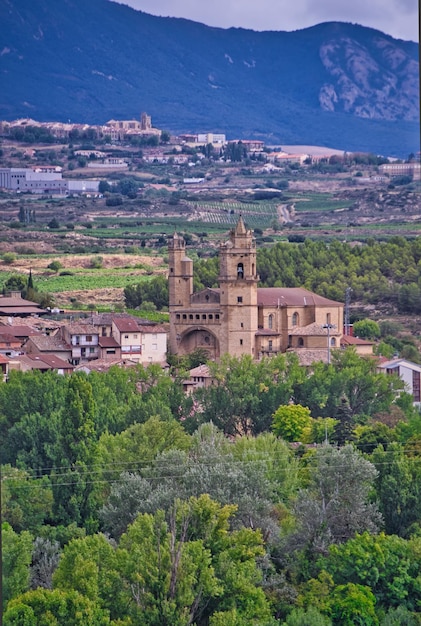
(8, 258)
(96, 262)
(55, 266)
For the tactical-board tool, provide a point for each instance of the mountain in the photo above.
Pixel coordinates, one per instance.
(334, 84)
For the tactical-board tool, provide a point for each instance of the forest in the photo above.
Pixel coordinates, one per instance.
(276, 496)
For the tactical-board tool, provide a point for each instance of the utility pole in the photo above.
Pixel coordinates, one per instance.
(328, 327)
(347, 306)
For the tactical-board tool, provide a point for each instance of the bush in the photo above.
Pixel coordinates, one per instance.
(96, 262)
(55, 266)
(8, 258)
(114, 201)
(53, 224)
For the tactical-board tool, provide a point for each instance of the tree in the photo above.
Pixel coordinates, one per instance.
(16, 282)
(8, 258)
(245, 394)
(366, 329)
(17, 552)
(397, 488)
(191, 566)
(26, 503)
(208, 467)
(349, 376)
(154, 290)
(353, 605)
(386, 564)
(104, 186)
(55, 266)
(45, 607)
(76, 492)
(292, 422)
(336, 503)
(343, 430)
(89, 566)
(311, 617)
(45, 558)
(53, 224)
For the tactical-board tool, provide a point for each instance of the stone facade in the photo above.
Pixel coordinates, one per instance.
(240, 318)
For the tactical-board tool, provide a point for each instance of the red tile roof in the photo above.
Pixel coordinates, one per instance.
(291, 296)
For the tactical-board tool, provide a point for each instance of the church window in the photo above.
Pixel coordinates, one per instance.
(203, 317)
(190, 316)
(178, 316)
(300, 342)
(295, 319)
(197, 316)
(241, 342)
(217, 316)
(328, 320)
(333, 342)
(270, 345)
(210, 316)
(240, 270)
(184, 316)
(240, 299)
(270, 322)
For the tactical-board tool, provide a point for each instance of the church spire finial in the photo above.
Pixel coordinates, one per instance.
(240, 228)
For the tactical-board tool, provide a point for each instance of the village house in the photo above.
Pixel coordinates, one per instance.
(83, 340)
(408, 372)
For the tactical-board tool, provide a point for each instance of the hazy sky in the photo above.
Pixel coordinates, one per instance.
(398, 18)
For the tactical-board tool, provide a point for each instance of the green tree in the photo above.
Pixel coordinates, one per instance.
(53, 224)
(366, 329)
(55, 266)
(343, 431)
(397, 488)
(75, 477)
(292, 422)
(8, 258)
(154, 290)
(89, 566)
(353, 605)
(245, 394)
(311, 617)
(17, 552)
(16, 282)
(26, 503)
(387, 564)
(45, 607)
(191, 566)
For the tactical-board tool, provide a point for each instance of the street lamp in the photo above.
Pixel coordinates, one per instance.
(328, 327)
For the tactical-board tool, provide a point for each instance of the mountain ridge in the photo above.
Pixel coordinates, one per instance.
(331, 84)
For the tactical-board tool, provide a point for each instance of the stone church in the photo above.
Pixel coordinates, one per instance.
(239, 317)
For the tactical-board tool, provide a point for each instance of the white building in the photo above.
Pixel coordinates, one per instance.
(409, 373)
(154, 344)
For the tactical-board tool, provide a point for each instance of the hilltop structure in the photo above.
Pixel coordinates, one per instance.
(239, 317)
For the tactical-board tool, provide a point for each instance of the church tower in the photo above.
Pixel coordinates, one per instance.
(238, 292)
(180, 283)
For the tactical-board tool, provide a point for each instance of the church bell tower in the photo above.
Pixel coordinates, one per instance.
(180, 284)
(238, 292)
